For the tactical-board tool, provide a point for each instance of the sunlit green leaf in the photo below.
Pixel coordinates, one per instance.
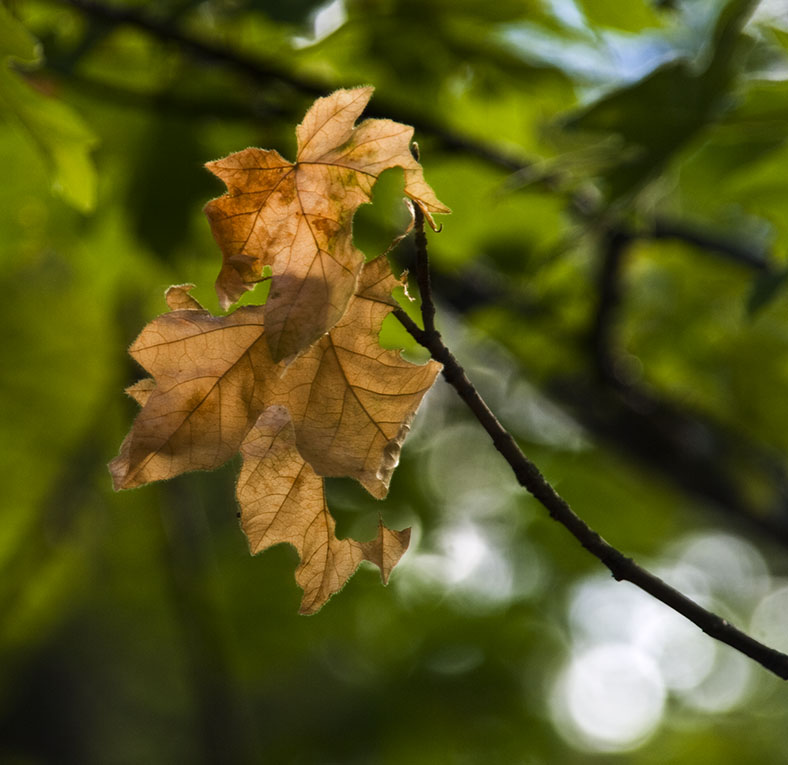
(660, 113)
(60, 134)
(632, 16)
(15, 41)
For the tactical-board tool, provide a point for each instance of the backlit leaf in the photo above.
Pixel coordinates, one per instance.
(297, 218)
(282, 500)
(351, 400)
(323, 398)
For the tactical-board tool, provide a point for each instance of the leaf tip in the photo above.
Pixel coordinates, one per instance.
(387, 549)
(179, 299)
(141, 390)
(310, 608)
(118, 470)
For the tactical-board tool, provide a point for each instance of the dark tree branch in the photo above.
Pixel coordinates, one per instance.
(613, 249)
(423, 272)
(725, 246)
(531, 479)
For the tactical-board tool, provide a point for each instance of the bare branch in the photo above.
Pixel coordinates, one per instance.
(620, 566)
(423, 272)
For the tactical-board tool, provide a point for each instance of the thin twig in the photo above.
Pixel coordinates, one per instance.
(423, 272)
(531, 479)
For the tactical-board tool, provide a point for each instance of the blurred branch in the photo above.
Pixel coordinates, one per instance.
(701, 457)
(164, 102)
(168, 32)
(614, 245)
(697, 455)
(531, 479)
(260, 70)
(664, 228)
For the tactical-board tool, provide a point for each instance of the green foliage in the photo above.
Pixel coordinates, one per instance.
(634, 17)
(655, 116)
(58, 132)
(136, 627)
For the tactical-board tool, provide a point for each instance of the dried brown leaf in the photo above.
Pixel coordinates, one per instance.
(297, 218)
(141, 390)
(301, 385)
(282, 500)
(207, 372)
(178, 298)
(351, 400)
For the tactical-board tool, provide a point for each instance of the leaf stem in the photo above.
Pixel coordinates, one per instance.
(423, 272)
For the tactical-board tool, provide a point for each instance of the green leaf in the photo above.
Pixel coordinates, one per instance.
(657, 115)
(15, 41)
(765, 289)
(58, 132)
(632, 16)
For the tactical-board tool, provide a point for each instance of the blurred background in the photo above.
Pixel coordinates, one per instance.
(613, 277)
